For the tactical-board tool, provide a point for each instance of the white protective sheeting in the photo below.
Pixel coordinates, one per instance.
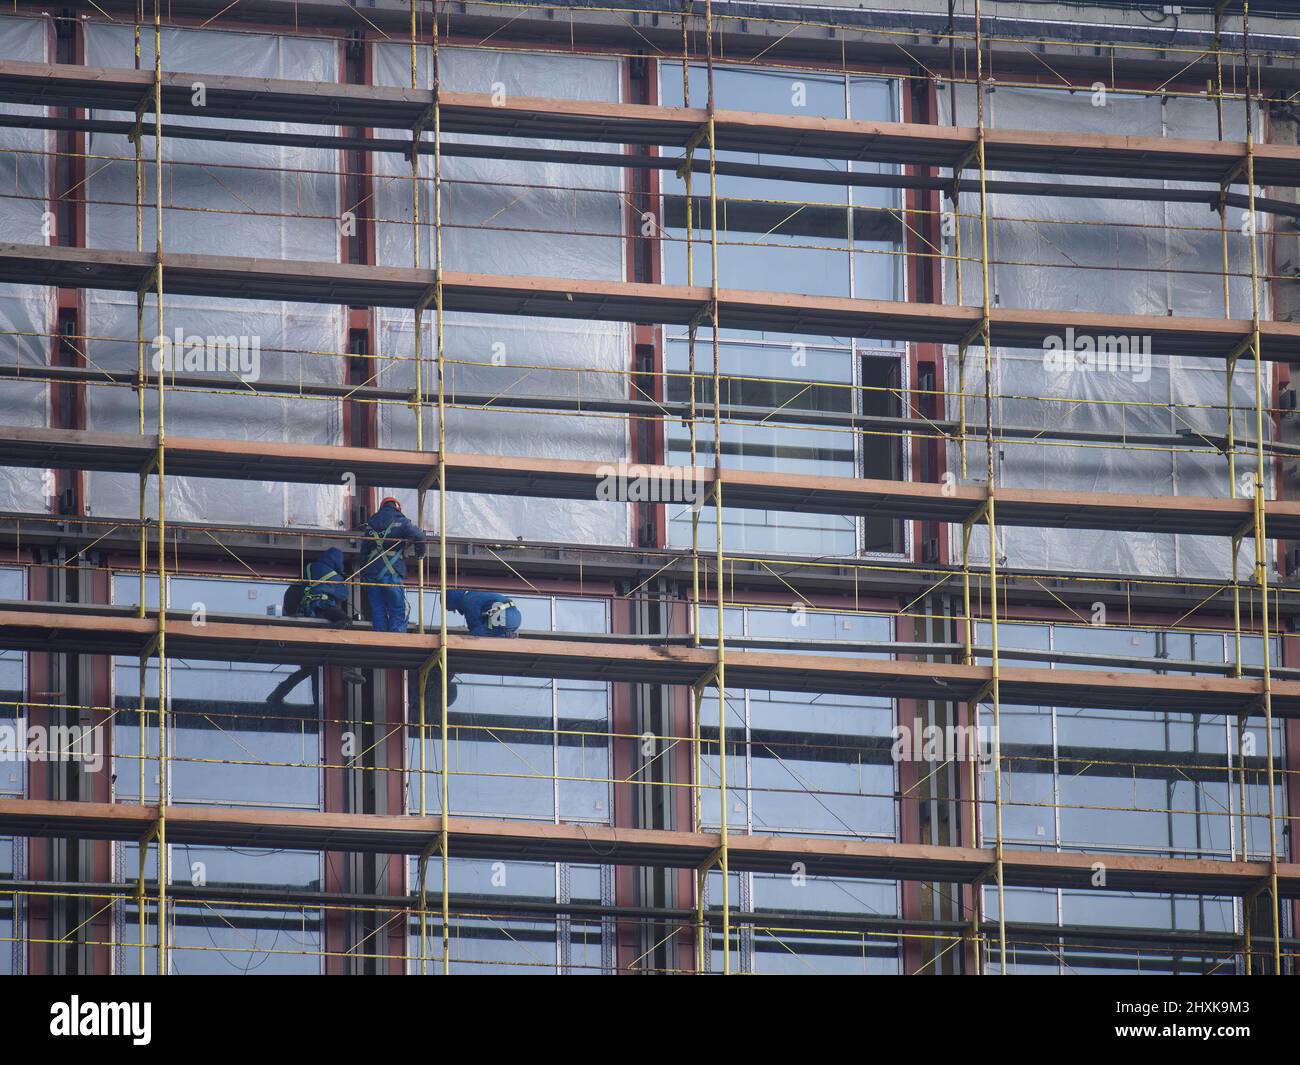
(286, 206)
(516, 218)
(26, 311)
(1119, 260)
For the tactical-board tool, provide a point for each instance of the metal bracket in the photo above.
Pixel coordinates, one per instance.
(713, 859)
(430, 295)
(155, 460)
(974, 331)
(138, 127)
(417, 130)
(1238, 168)
(428, 480)
(700, 316)
(151, 280)
(979, 513)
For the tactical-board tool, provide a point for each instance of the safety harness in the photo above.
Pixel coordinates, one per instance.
(377, 549)
(310, 596)
(495, 615)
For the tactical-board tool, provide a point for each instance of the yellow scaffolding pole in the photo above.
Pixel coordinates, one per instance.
(988, 509)
(157, 645)
(1261, 537)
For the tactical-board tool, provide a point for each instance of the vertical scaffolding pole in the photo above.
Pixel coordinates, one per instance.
(1261, 537)
(990, 507)
(157, 466)
(717, 674)
(720, 678)
(432, 117)
(445, 781)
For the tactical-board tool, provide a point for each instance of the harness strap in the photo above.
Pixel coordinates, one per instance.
(377, 549)
(311, 595)
(496, 609)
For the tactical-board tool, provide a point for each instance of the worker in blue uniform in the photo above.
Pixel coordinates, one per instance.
(324, 595)
(383, 570)
(486, 613)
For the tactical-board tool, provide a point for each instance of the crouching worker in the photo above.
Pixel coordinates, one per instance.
(383, 569)
(323, 594)
(486, 613)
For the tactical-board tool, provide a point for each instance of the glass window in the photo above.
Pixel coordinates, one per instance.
(523, 746)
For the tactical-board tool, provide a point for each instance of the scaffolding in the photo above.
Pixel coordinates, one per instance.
(975, 674)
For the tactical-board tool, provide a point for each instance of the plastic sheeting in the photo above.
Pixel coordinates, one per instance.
(1113, 256)
(517, 218)
(26, 311)
(286, 204)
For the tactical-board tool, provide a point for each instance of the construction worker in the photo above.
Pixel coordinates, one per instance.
(325, 595)
(383, 570)
(486, 613)
(322, 594)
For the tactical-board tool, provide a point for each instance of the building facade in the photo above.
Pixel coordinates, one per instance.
(881, 419)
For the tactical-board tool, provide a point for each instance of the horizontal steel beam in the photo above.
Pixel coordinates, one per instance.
(264, 552)
(625, 301)
(377, 107)
(572, 479)
(510, 402)
(669, 163)
(110, 631)
(604, 845)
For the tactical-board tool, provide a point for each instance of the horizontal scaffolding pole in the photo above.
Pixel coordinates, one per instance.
(110, 631)
(572, 479)
(605, 845)
(378, 107)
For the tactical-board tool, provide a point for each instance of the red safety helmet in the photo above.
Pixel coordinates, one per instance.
(390, 499)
